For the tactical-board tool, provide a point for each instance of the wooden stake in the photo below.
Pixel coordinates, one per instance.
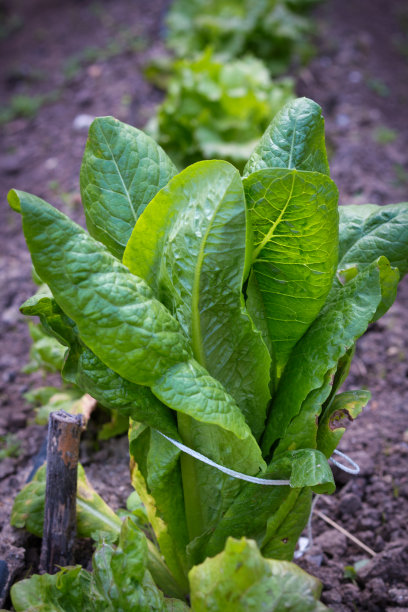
(64, 431)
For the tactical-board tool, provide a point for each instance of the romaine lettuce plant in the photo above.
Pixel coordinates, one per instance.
(214, 109)
(221, 311)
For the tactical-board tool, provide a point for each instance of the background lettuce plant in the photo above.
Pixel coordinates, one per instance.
(214, 109)
(221, 311)
(276, 31)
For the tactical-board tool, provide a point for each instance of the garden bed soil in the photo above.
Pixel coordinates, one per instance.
(359, 76)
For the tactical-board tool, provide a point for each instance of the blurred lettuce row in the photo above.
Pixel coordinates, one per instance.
(217, 110)
(277, 31)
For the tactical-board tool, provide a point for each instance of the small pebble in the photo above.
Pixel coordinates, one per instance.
(82, 122)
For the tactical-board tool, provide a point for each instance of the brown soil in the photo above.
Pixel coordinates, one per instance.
(360, 77)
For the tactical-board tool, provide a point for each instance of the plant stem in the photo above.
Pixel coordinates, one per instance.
(192, 501)
(161, 573)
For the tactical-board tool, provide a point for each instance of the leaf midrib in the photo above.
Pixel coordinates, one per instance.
(196, 331)
(120, 176)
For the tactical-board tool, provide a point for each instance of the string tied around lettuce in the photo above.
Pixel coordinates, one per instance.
(354, 469)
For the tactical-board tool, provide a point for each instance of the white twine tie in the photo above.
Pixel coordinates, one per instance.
(262, 481)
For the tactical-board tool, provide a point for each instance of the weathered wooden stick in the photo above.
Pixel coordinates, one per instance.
(64, 431)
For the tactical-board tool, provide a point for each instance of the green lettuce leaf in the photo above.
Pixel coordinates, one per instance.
(120, 581)
(293, 140)
(52, 318)
(239, 579)
(295, 226)
(66, 591)
(366, 233)
(343, 319)
(179, 247)
(117, 393)
(190, 247)
(285, 525)
(46, 353)
(115, 312)
(114, 189)
(301, 431)
(206, 484)
(93, 514)
(369, 231)
(119, 319)
(85, 370)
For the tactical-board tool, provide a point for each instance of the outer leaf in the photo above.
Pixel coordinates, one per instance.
(70, 400)
(367, 232)
(67, 591)
(241, 580)
(115, 312)
(342, 371)
(190, 245)
(309, 468)
(120, 574)
(346, 406)
(46, 353)
(119, 582)
(294, 139)
(28, 506)
(52, 318)
(389, 285)
(120, 320)
(113, 391)
(122, 170)
(295, 223)
(129, 560)
(343, 319)
(285, 526)
(84, 369)
(93, 514)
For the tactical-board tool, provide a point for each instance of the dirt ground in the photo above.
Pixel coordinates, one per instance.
(76, 55)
